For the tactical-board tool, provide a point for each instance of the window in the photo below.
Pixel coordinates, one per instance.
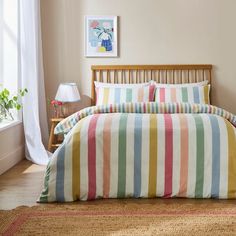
(9, 46)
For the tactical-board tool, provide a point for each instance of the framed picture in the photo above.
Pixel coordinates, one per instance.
(101, 36)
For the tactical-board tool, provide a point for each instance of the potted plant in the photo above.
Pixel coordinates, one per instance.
(8, 102)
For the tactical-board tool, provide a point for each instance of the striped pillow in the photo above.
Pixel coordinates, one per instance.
(195, 94)
(122, 95)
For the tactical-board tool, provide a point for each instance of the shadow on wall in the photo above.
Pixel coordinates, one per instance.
(76, 106)
(216, 94)
(71, 107)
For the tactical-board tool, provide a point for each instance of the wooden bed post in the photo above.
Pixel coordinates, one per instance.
(93, 94)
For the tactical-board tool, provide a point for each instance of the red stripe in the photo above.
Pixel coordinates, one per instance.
(144, 107)
(151, 92)
(168, 155)
(177, 108)
(92, 157)
(162, 94)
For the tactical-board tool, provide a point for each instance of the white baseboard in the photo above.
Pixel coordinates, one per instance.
(11, 159)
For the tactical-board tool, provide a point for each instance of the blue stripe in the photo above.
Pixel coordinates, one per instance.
(117, 95)
(137, 155)
(215, 181)
(196, 95)
(60, 175)
(136, 109)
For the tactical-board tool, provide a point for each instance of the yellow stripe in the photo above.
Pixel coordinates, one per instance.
(153, 157)
(76, 162)
(148, 107)
(231, 161)
(206, 94)
(105, 96)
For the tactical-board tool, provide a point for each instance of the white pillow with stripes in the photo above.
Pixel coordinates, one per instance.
(195, 94)
(113, 95)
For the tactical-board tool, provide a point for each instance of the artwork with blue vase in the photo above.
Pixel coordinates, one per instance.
(101, 36)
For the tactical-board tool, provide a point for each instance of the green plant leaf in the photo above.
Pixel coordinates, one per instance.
(18, 107)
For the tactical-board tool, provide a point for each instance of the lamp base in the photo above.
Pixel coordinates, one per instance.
(64, 110)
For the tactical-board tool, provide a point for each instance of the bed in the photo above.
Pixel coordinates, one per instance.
(159, 138)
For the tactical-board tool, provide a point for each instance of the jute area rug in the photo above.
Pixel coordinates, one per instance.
(123, 217)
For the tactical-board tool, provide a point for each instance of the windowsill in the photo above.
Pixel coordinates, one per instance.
(5, 124)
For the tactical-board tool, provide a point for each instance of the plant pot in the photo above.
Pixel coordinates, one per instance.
(106, 43)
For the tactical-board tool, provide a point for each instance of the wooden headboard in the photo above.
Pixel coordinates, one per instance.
(168, 74)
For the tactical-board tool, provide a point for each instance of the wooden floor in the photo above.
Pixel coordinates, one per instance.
(21, 185)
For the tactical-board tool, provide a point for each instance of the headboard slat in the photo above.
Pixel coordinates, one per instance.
(171, 74)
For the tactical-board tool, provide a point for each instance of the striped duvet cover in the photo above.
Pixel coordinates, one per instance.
(144, 150)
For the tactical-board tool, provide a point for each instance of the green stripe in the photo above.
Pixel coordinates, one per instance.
(122, 156)
(129, 95)
(44, 195)
(199, 156)
(184, 95)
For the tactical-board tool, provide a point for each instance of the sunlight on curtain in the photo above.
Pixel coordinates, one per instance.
(32, 78)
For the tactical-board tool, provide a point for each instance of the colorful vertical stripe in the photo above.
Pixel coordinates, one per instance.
(200, 157)
(184, 136)
(215, 185)
(106, 156)
(137, 155)
(153, 157)
(128, 152)
(231, 160)
(92, 157)
(122, 156)
(60, 175)
(168, 155)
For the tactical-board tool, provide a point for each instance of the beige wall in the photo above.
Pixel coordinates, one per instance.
(11, 147)
(151, 32)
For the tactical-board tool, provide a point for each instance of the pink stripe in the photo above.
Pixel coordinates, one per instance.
(168, 155)
(162, 94)
(92, 157)
(15, 225)
(106, 155)
(173, 94)
(184, 156)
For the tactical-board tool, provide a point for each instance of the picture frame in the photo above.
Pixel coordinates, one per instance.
(101, 36)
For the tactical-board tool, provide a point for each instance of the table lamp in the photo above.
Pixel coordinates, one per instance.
(67, 92)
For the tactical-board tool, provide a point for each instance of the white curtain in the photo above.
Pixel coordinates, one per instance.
(31, 70)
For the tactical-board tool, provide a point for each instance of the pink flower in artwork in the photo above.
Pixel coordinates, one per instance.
(94, 24)
(106, 25)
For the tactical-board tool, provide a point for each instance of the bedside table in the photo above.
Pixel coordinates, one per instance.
(54, 141)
